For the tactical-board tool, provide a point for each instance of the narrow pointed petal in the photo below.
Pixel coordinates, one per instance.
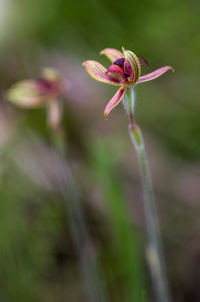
(114, 101)
(112, 54)
(155, 74)
(25, 94)
(98, 72)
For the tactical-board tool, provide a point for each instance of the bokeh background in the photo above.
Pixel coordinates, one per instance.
(38, 256)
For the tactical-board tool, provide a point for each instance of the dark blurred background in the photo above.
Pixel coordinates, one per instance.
(38, 257)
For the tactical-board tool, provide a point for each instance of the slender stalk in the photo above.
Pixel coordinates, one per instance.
(86, 252)
(78, 225)
(155, 250)
(54, 122)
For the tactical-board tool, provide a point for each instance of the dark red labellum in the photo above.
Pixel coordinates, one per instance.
(127, 68)
(119, 62)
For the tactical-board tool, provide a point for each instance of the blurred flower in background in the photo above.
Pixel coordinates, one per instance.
(35, 93)
(47, 90)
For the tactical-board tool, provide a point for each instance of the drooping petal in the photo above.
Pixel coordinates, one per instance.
(135, 64)
(153, 75)
(114, 101)
(26, 94)
(98, 72)
(112, 54)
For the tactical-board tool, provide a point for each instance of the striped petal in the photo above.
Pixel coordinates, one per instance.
(98, 72)
(112, 54)
(155, 74)
(114, 101)
(135, 64)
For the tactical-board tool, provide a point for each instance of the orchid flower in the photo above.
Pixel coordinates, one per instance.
(45, 90)
(125, 71)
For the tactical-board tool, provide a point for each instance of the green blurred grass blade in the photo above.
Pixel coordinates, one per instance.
(126, 240)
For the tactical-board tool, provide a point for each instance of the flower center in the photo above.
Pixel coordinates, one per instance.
(126, 69)
(115, 73)
(47, 87)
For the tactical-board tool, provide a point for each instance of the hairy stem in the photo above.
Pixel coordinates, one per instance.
(154, 250)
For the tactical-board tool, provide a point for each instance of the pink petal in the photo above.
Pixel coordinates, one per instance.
(112, 54)
(153, 75)
(114, 101)
(98, 72)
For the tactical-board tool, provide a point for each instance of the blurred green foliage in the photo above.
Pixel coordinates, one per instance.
(29, 228)
(125, 251)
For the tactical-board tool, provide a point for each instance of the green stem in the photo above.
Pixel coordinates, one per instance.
(155, 250)
(54, 122)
